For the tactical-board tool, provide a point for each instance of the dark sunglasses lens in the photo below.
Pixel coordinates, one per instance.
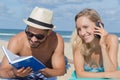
(39, 36)
(29, 34)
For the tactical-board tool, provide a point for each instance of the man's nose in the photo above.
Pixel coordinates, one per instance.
(34, 39)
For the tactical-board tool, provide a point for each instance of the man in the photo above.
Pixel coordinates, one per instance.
(40, 41)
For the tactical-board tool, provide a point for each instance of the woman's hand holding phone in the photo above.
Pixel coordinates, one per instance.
(98, 25)
(100, 32)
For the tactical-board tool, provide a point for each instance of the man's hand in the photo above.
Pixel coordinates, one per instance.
(22, 72)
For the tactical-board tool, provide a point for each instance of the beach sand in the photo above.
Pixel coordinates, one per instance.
(68, 54)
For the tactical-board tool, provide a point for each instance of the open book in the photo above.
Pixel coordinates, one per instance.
(23, 61)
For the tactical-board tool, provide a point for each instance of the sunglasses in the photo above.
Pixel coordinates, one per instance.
(38, 36)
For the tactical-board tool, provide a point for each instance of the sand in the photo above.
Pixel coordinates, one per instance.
(68, 54)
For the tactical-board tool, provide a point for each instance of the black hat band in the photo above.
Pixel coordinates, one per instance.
(40, 23)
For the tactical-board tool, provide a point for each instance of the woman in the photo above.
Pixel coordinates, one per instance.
(94, 49)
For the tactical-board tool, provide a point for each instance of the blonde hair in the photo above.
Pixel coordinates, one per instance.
(75, 39)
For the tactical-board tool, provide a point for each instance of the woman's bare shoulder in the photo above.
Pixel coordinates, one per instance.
(112, 38)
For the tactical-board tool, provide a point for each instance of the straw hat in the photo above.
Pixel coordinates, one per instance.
(40, 18)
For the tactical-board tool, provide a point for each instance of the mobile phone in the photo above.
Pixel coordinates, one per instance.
(98, 25)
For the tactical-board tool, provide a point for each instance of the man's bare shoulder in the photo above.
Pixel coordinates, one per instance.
(17, 40)
(56, 36)
(59, 36)
(18, 37)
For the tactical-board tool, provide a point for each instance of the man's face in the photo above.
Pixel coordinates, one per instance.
(36, 36)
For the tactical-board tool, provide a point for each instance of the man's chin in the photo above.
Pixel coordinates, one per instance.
(34, 46)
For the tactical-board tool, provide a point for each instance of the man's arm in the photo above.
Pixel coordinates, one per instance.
(6, 70)
(58, 61)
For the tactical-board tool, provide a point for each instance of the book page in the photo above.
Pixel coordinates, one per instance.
(11, 56)
(21, 58)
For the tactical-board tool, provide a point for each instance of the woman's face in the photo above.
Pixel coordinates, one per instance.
(85, 28)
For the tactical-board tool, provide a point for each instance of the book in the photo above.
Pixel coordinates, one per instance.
(23, 61)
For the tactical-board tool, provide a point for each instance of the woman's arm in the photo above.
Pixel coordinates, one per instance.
(109, 52)
(79, 67)
(109, 48)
